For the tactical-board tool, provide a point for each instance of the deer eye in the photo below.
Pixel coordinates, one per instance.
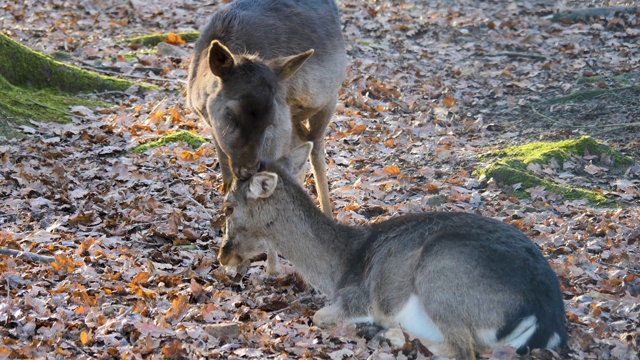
(229, 117)
(228, 210)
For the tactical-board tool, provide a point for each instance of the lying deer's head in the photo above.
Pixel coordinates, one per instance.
(255, 208)
(247, 104)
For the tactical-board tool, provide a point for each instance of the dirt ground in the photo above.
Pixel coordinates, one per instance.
(431, 86)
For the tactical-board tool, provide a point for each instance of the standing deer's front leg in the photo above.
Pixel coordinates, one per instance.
(318, 124)
(225, 169)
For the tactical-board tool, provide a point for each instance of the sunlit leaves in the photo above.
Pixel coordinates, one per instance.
(428, 89)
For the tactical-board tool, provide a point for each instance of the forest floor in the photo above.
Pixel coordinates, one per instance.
(127, 242)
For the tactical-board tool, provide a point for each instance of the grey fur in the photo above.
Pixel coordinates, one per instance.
(475, 277)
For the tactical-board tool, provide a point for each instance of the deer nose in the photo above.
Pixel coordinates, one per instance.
(228, 257)
(245, 172)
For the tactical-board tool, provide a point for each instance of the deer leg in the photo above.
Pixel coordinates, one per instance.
(319, 169)
(318, 124)
(272, 262)
(329, 315)
(459, 343)
(225, 169)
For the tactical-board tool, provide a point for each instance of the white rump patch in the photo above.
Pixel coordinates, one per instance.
(414, 319)
(522, 333)
(554, 341)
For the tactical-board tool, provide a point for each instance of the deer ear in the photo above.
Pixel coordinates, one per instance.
(262, 185)
(286, 66)
(221, 60)
(296, 160)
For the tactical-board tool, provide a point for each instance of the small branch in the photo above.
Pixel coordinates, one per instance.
(609, 125)
(76, 348)
(118, 70)
(27, 255)
(575, 14)
(542, 115)
(516, 55)
(131, 76)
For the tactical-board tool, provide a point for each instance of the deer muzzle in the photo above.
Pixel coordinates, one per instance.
(244, 172)
(228, 256)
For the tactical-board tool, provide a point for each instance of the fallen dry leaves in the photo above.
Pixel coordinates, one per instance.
(131, 238)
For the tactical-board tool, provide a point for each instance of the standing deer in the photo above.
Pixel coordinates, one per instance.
(254, 80)
(459, 282)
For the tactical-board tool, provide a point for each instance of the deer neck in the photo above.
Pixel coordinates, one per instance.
(317, 246)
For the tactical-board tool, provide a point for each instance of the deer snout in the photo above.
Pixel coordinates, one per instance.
(228, 257)
(244, 172)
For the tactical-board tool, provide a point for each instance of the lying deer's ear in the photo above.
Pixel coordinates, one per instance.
(221, 60)
(262, 185)
(286, 66)
(296, 160)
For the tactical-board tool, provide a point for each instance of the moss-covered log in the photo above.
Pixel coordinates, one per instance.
(26, 68)
(19, 105)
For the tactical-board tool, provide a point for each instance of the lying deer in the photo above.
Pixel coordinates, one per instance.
(459, 282)
(248, 82)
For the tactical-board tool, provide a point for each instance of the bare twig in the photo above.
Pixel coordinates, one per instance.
(542, 115)
(609, 125)
(28, 255)
(76, 348)
(516, 54)
(575, 14)
(131, 76)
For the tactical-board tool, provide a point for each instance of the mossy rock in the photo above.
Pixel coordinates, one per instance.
(155, 39)
(509, 166)
(188, 137)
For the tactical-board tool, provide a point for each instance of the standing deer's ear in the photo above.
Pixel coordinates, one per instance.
(296, 160)
(286, 66)
(221, 60)
(262, 185)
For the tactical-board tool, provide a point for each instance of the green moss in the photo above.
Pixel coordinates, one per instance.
(587, 94)
(191, 139)
(542, 152)
(153, 40)
(133, 55)
(24, 67)
(509, 166)
(625, 79)
(20, 104)
(506, 174)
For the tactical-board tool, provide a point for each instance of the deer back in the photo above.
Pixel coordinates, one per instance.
(468, 274)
